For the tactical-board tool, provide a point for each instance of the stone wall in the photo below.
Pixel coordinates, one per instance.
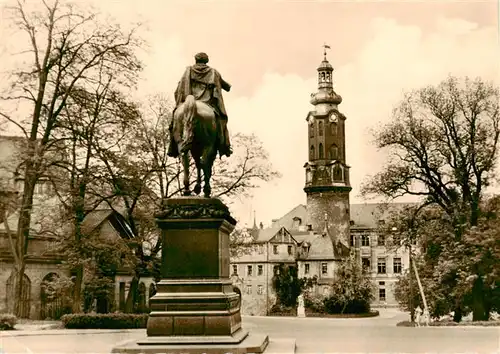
(335, 205)
(35, 272)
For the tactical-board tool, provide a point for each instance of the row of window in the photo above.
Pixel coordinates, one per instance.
(260, 270)
(289, 249)
(397, 265)
(333, 152)
(365, 240)
(324, 268)
(260, 289)
(333, 129)
(260, 249)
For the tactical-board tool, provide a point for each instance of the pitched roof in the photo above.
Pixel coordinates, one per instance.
(96, 218)
(364, 215)
(367, 215)
(93, 220)
(321, 247)
(287, 220)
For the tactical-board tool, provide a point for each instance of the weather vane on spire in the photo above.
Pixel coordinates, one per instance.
(325, 47)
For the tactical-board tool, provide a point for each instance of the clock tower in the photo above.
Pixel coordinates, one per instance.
(327, 174)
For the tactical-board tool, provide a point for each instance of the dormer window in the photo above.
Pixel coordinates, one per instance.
(297, 222)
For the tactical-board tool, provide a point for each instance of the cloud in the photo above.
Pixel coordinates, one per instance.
(397, 58)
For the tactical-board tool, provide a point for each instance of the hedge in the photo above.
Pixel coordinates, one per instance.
(372, 313)
(7, 321)
(451, 324)
(105, 321)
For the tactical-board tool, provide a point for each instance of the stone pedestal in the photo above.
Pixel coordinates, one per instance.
(195, 309)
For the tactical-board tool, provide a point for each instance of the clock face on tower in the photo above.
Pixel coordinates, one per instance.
(334, 117)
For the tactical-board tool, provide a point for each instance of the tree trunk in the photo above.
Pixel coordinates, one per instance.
(79, 217)
(457, 315)
(23, 231)
(77, 290)
(132, 295)
(479, 312)
(18, 288)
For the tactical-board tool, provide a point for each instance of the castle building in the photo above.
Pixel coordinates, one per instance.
(317, 236)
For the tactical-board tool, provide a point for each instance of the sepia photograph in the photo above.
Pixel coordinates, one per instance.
(249, 176)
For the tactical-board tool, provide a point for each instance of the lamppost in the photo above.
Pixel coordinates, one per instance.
(412, 308)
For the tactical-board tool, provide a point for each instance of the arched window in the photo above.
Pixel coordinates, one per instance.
(333, 152)
(333, 129)
(320, 128)
(152, 290)
(311, 131)
(337, 173)
(321, 152)
(25, 295)
(53, 303)
(311, 153)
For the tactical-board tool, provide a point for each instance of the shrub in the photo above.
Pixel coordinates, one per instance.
(107, 321)
(314, 303)
(281, 310)
(7, 321)
(334, 305)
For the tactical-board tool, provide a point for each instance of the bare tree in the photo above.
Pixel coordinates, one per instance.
(443, 145)
(65, 47)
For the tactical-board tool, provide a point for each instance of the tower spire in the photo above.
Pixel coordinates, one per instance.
(325, 47)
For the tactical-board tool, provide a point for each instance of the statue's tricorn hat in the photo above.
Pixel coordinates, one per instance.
(201, 58)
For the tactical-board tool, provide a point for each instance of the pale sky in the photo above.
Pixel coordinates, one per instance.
(269, 52)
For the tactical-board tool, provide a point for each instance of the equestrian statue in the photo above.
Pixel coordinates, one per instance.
(199, 122)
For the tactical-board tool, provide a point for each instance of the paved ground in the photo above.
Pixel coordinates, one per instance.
(313, 335)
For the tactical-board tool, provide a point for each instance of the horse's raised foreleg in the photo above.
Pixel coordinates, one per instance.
(185, 165)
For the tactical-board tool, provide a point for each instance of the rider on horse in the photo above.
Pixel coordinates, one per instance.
(205, 84)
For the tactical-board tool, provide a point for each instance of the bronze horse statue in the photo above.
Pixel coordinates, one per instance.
(195, 131)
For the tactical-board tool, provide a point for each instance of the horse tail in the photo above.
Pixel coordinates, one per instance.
(189, 114)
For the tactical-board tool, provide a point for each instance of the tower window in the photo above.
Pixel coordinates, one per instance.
(311, 131)
(333, 129)
(321, 152)
(312, 154)
(320, 128)
(333, 152)
(337, 173)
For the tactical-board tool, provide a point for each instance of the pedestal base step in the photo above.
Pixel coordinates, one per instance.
(253, 343)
